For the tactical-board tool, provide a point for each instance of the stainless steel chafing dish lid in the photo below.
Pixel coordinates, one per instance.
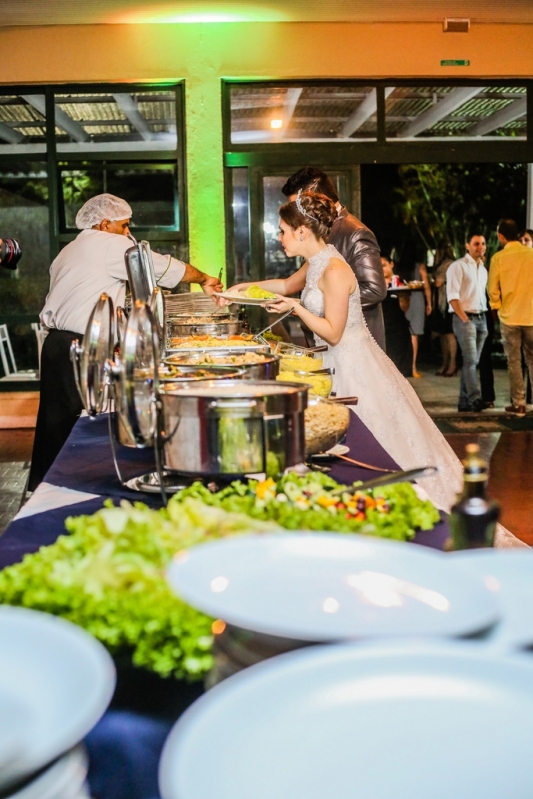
(89, 359)
(140, 270)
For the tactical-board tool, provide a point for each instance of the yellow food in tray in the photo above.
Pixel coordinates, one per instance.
(320, 384)
(300, 363)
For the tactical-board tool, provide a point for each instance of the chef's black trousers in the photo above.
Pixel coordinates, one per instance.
(60, 403)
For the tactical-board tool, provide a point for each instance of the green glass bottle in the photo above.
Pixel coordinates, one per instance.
(474, 516)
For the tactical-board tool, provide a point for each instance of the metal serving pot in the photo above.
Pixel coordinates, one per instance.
(211, 327)
(268, 369)
(233, 427)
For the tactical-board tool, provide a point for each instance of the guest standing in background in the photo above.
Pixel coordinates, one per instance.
(441, 317)
(466, 291)
(510, 290)
(526, 237)
(412, 267)
(397, 331)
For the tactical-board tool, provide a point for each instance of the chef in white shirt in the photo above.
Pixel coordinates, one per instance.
(88, 266)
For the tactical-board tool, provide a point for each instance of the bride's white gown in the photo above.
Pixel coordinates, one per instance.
(387, 403)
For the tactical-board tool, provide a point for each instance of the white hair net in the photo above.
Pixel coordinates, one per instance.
(103, 206)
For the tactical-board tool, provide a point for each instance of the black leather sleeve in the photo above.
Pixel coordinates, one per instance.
(361, 251)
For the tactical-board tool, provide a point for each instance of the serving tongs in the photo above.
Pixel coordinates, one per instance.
(279, 319)
(388, 479)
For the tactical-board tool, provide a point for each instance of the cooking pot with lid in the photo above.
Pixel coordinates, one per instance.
(233, 427)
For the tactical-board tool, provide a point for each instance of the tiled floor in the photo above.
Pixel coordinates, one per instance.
(15, 455)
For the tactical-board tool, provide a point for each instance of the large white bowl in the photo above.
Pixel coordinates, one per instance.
(62, 673)
(331, 587)
(403, 720)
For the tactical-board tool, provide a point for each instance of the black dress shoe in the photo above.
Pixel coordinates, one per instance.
(464, 408)
(478, 405)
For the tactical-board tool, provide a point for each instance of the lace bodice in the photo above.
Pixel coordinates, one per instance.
(313, 298)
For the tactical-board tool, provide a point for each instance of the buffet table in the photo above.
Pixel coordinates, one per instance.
(83, 477)
(125, 745)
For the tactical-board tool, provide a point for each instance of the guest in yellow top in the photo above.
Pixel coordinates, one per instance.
(510, 289)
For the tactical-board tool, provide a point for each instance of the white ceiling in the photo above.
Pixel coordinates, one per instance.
(67, 12)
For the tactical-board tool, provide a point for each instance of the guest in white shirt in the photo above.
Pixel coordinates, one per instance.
(88, 266)
(466, 282)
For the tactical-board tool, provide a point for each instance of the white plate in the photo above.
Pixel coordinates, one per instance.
(509, 573)
(15, 718)
(338, 449)
(238, 298)
(373, 722)
(62, 673)
(64, 779)
(329, 587)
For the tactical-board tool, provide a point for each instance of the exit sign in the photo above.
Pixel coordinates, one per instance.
(454, 62)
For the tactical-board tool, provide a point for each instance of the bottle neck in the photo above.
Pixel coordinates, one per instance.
(475, 488)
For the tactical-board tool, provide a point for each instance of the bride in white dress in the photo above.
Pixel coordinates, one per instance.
(331, 307)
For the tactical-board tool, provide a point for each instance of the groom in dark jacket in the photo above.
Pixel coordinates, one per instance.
(355, 242)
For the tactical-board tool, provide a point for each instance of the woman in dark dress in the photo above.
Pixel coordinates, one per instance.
(441, 318)
(398, 341)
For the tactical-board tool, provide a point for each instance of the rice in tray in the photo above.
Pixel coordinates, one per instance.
(325, 425)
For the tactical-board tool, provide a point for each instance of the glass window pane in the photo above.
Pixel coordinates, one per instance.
(121, 121)
(22, 124)
(241, 225)
(460, 112)
(24, 215)
(150, 189)
(276, 262)
(278, 114)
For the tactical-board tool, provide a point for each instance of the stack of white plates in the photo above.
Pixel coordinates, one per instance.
(59, 680)
(408, 718)
(373, 721)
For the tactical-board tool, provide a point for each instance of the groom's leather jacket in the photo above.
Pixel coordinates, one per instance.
(358, 246)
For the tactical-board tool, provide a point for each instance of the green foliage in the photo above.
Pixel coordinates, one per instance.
(447, 201)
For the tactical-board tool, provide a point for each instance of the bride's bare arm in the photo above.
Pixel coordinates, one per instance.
(337, 284)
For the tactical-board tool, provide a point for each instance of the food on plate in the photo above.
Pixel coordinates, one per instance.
(321, 384)
(187, 342)
(325, 425)
(257, 293)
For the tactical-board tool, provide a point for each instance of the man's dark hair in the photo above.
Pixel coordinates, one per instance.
(508, 229)
(472, 234)
(311, 179)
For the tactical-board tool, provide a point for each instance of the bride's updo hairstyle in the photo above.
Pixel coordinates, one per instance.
(315, 211)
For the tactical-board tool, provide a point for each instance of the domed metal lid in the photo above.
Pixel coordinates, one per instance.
(90, 359)
(138, 380)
